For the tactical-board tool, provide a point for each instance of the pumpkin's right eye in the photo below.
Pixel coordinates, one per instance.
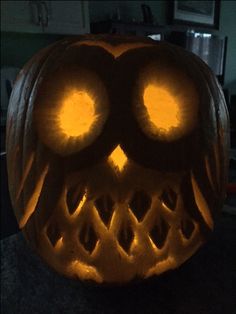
(167, 105)
(72, 117)
(163, 109)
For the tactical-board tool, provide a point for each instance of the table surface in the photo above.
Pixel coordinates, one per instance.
(205, 284)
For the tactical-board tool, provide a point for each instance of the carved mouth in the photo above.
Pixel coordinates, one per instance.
(135, 211)
(158, 226)
(153, 213)
(148, 231)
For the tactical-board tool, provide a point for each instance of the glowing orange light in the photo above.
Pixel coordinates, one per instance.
(118, 158)
(76, 114)
(162, 108)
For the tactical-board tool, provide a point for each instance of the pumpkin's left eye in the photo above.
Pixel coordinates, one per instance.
(73, 119)
(167, 105)
(76, 114)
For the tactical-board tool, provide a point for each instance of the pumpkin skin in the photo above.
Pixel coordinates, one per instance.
(88, 215)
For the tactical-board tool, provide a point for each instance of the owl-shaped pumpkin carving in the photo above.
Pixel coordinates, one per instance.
(117, 156)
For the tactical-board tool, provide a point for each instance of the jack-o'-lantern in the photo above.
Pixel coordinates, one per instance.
(117, 156)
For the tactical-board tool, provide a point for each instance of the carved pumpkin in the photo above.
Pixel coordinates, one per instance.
(117, 156)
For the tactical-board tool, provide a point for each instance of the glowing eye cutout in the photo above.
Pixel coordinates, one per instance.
(70, 118)
(77, 113)
(162, 108)
(165, 102)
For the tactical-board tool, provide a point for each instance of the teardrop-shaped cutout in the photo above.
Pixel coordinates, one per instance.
(88, 237)
(187, 228)
(74, 197)
(140, 203)
(104, 206)
(169, 198)
(125, 236)
(53, 233)
(159, 233)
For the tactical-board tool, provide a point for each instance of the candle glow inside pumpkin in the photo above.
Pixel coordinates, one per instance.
(76, 115)
(162, 108)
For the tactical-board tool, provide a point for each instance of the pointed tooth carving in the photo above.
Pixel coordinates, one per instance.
(140, 203)
(74, 197)
(169, 198)
(88, 237)
(187, 228)
(159, 233)
(125, 236)
(104, 206)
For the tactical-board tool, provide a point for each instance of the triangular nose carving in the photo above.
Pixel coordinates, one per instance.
(118, 158)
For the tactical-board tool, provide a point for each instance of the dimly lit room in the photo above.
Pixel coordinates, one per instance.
(118, 157)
